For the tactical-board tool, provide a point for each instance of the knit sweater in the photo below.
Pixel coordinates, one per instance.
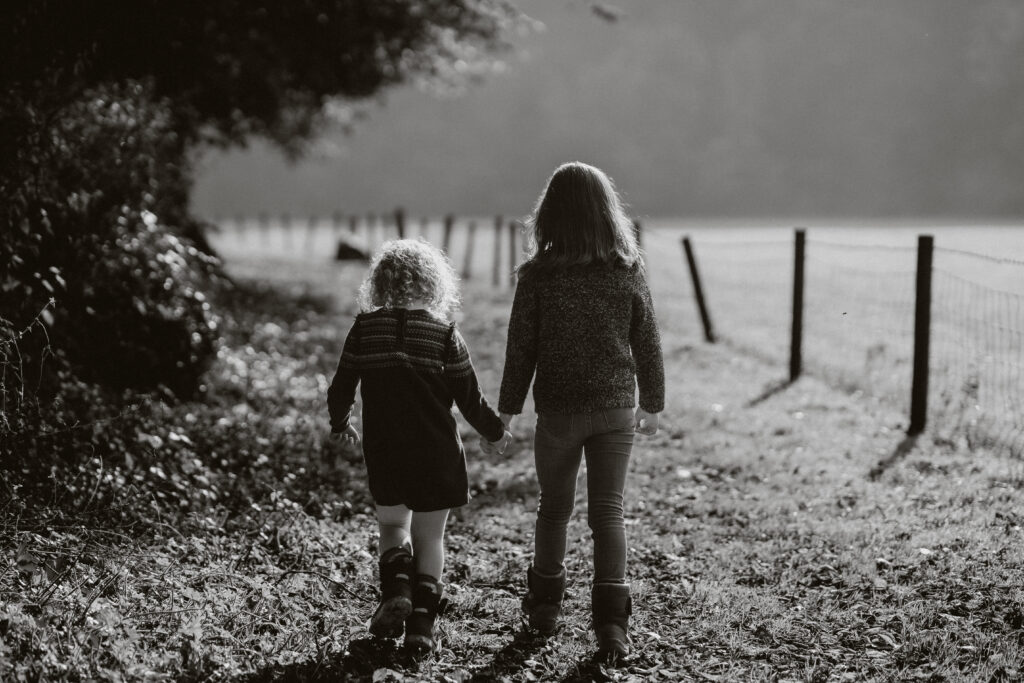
(412, 368)
(590, 334)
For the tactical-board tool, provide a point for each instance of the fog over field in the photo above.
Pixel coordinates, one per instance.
(782, 109)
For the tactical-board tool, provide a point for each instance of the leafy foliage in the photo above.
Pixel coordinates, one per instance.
(230, 69)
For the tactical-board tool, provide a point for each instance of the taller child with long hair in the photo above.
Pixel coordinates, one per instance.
(583, 322)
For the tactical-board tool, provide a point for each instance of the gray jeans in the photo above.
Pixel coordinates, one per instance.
(606, 438)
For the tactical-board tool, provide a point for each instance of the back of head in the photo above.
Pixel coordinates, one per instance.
(579, 220)
(409, 271)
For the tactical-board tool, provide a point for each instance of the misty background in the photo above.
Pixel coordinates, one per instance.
(743, 109)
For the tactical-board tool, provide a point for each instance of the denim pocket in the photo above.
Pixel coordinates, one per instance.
(619, 419)
(556, 427)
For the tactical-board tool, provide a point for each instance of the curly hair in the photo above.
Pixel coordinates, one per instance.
(404, 271)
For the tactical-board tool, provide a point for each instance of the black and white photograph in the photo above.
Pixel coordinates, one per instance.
(385, 341)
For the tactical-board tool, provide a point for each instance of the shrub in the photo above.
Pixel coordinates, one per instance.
(95, 190)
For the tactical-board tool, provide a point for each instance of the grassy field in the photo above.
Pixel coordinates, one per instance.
(774, 533)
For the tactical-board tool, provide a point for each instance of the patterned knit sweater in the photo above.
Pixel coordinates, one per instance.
(412, 367)
(590, 334)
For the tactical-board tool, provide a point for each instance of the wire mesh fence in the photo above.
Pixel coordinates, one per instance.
(858, 329)
(977, 389)
(859, 318)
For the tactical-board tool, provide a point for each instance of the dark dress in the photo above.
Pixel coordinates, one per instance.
(411, 368)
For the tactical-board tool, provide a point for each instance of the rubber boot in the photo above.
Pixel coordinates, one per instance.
(396, 568)
(419, 626)
(611, 606)
(542, 604)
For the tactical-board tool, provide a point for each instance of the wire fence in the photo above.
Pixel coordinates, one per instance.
(858, 331)
(978, 351)
(859, 318)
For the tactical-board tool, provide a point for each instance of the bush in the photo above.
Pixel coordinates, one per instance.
(95, 193)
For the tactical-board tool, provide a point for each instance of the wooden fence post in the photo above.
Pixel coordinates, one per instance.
(400, 222)
(311, 232)
(353, 223)
(449, 222)
(922, 329)
(513, 257)
(497, 251)
(371, 231)
(698, 291)
(286, 231)
(264, 225)
(797, 330)
(467, 262)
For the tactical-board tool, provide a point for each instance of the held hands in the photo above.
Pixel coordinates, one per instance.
(645, 423)
(496, 447)
(349, 437)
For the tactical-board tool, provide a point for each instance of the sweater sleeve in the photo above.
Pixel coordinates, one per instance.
(645, 342)
(341, 395)
(465, 389)
(520, 350)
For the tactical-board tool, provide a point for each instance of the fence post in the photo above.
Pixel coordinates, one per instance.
(449, 222)
(922, 329)
(400, 222)
(264, 225)
(286, 231)
(513, 257)
(497, 251)
(310, 228)
(467, 262)
(797, 331)
(698, 291)
(353, 223)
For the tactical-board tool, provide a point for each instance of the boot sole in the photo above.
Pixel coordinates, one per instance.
(389, 620)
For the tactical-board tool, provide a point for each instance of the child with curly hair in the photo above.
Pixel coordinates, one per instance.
(412, 364)
(582, 320)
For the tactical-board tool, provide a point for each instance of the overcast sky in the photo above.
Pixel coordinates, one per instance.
(729, 108)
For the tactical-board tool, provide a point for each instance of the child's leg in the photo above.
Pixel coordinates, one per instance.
(393, 521)
(428, 549)
(396, 569)
(557, 453)
(607, 466)
(428, 542)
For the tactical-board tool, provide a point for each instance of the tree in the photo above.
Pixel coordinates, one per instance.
(100, 111)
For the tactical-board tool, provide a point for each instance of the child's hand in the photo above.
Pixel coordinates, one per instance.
(645, 423)
(496, 447)
(501, 445)
(348, 437)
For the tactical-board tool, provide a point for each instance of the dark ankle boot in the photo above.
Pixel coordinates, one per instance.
(542, 604)
(396, 567)
(419, 626)
(611, 608)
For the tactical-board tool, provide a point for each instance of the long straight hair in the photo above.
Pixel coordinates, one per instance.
(580, 220)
